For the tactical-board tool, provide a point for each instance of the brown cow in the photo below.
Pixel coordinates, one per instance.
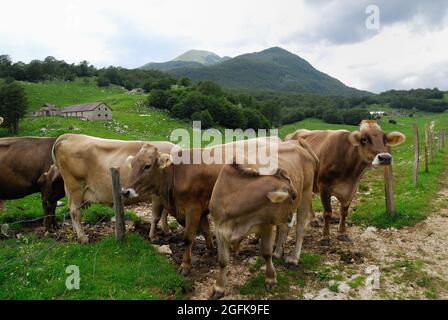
(344, 156)
(84, 163)
(184, 188)
(24, 165)
(243, 202)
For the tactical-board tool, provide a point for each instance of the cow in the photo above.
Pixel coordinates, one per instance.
(25, 163)
(185, 188)
(344, 156)
(245, 201)
(84, 162)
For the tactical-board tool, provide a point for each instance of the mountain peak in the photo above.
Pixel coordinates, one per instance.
(201, 56)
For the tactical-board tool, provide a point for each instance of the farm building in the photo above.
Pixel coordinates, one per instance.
(47, 110)
(89, 111)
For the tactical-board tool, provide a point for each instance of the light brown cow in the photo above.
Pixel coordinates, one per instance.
(243, 202)
(185, 188)
(344, 156)
(84, 163)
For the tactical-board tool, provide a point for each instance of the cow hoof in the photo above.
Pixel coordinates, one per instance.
(292, 261)
(84, 239)
(185, 271)
(277, 255)
(270, 286)
(325, 242)
(216, 295)
(344, 237)
(315, 223)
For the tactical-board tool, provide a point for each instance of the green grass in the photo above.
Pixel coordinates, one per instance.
(33, 268)
(413, 204)
(63, 93)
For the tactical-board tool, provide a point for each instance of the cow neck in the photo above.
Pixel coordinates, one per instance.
(166, 188)
(357, 166)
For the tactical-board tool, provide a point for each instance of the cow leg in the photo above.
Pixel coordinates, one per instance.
(342, 235)
(164, 219)
(157, 211)
(192, 217)
(303, 217)
(205, 228)
(2, 206)
(49, 215)
(325, 198)
(223, 260)
(75, 214)
(281, 235)
(266, 252)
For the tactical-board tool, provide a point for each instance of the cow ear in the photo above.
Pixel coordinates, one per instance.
(355, 138)
(395, 138)
(277, 196)
(165, 160)
(128, 162)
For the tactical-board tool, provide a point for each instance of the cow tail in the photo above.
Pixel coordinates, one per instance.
(53, 152)
(307, 147)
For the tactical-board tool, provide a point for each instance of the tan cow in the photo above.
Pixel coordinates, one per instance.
(84, 163)
(244, 202)
(344, 156)
(185, 188)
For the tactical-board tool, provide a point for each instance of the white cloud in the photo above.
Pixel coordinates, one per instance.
(410, 50)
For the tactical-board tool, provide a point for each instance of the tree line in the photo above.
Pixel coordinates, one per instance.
(208, 102)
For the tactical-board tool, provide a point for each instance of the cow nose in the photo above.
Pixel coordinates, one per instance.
(384, 158)
(125, 192)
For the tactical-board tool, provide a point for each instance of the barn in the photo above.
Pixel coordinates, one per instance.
(89, 111)
(47, 110)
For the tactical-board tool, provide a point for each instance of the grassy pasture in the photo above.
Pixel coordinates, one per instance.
(32, 268)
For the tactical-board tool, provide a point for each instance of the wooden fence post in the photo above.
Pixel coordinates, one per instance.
(416, 155)
(118, 204)
(426, 147)
(443, 138)
(389, 188)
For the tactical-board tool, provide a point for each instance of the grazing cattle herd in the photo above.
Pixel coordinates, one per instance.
(241, 197)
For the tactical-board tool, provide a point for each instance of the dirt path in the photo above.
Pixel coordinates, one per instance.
(410, 263)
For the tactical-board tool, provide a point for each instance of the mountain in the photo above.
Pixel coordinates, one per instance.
(272, 69)
(203, 57)
(189, 59)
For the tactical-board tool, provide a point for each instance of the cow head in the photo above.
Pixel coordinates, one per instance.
(372, 143)
(52, 186)
(146, 171)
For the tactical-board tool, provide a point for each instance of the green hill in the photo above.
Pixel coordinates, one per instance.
(272, 69)
(131, 119)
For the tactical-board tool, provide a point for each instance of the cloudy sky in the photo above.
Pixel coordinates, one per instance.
(408, 49)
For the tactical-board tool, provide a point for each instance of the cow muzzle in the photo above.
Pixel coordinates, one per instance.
(129, 193)
(382, 159)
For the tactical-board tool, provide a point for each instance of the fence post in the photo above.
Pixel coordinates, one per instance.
(432, 140)
(426, 147)
(389, 188)
(416, 155)
(118, 204)
(443, 138)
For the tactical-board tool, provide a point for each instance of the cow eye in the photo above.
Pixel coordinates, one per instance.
(364, 140)
(147, 167)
